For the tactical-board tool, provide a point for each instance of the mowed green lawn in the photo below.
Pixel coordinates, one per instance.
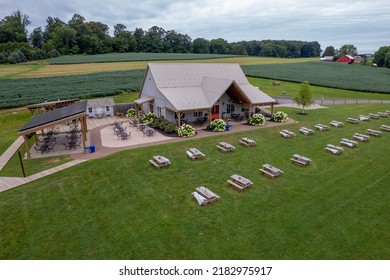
(119, 207)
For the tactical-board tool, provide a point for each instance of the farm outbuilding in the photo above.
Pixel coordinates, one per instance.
(100, 107)
(186, 91)
(346, 59)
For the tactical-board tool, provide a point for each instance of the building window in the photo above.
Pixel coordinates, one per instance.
(107, 108)
(159, 111)
(229, 108)
(89, 110)
(198, 114)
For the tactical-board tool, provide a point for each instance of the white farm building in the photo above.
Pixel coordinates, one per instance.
(186, 91)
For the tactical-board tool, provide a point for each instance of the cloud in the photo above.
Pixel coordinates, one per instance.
(332, 22)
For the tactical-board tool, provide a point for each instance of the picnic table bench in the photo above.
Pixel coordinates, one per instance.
(334, 149)
(300, 160)
(247, 142)
(160, 161)
(207, 194)
(374, 132)
(364, 118)
(239, 182)
(373, 116)
(383, 114)
(225, 147)
(306, 131)
(353, 120)
(336, 123)
(321, 127)
(194, 153)
(287, 133)
(361, 137)
(348, 142)
(270, 171)
(385, 127)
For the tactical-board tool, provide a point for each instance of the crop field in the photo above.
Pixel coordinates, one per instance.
(20, 92)
(335, 75)
(336, 208)
(131, 57)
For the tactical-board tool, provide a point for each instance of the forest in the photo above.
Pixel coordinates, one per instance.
(79, 36)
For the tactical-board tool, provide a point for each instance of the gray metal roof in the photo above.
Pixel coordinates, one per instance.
(55, 115)
(191, 86)
(100, 102)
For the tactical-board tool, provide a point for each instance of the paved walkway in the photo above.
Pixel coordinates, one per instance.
(6, 156)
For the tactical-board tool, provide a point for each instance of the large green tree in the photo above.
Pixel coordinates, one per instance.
(382, 57)
(201, 45)
(347, 49)
(13, 28)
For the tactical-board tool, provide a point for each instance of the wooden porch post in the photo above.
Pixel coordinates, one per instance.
(211, 111)
(272, 109)
(35, 138)
(178, 114)
(27, 147)
(84, 130)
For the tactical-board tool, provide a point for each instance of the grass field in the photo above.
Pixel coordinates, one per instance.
(335, 75)
(119, 207)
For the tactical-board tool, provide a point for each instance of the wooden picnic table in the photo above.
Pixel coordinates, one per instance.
(334, 149)
(160, 161)
(348, 142)
(247, 142)
(270, 170)
(195, 153)
(226, 147)
(361, 137)
(239, 182)
(336, 123)
(374, 132)
(306, 131)
(385, 127)
(353, 120)
(321, 127)
(287, 133)
(207, 194)
(300, 160)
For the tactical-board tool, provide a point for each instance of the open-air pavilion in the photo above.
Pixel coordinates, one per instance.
(56, 117)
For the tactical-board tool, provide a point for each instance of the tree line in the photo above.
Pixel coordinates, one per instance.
(79, 36)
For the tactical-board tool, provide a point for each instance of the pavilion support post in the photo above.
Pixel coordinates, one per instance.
(35, 138)
(210, 114)
(178, 115)
(272, 109)
(27, 147)
(250, 111)
(84, 130)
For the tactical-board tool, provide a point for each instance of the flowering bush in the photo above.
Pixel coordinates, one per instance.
(218, 125)
(131, 113)
(147, 118)
(280, 116)
(257, 120)
(186, 131)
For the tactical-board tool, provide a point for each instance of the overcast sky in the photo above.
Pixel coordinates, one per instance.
(364, 24)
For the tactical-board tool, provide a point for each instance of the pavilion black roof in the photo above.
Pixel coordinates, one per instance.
(55, 115)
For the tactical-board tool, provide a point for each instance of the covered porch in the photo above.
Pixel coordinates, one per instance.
(45, 125)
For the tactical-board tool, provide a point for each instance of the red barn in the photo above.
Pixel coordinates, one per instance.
(346, 59)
